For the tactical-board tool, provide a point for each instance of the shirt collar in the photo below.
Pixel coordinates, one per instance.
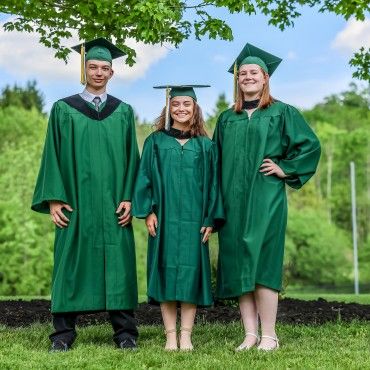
(88, 96)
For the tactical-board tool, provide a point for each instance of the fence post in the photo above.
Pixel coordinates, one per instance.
(354, 226)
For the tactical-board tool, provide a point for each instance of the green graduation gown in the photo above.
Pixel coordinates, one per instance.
(180, 185)
(90, 161)
(251, 243)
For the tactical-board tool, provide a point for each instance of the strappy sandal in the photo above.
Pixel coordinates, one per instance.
(269, 348)
(243, 346)
(186, 348)
(167, 347)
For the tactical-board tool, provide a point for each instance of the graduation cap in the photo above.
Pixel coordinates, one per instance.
(177, 90)
(98, 49)
(253, 55)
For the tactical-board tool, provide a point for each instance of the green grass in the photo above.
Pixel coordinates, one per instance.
(331, 346)
(348, 298)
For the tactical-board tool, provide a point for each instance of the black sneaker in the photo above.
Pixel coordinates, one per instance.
(128, 343)
(59, 346)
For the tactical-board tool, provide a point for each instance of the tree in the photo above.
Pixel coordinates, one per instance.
(158, 21)
(221, 105)
(329, 135)
(22, 97)
(342, 123)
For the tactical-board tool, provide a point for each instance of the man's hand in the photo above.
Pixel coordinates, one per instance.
(57, 215)
(152, 224)
(271, 168)
(206, 231)
(124, 218)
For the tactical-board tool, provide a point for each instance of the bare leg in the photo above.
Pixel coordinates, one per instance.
(267, 302)
(248, 312)
(187, 321)
(169, 316)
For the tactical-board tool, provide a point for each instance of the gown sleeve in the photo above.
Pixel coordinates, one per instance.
(301, 149)
(215, 213)
(217, 139)
(132, 153)
(142, 198)
(49, 184)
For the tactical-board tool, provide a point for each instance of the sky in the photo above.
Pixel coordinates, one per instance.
(315, 57)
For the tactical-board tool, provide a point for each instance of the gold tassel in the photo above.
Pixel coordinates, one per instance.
(167, 118)
(83, 73)
(235, 82)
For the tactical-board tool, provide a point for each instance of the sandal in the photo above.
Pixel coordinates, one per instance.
(269, 348)
(187, 347)
(243, 346)
(170, 347)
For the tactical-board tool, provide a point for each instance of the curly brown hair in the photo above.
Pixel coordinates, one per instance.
(265, 100)
(196, 123)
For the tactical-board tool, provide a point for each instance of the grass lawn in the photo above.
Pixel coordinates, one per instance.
(330, 346)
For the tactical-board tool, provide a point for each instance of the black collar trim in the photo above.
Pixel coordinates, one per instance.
(75, 101)
(252, 104)
(178, 134)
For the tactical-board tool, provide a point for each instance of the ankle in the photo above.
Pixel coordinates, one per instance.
(171, 339)
(170, 331)
(267, 334)
(186, 331)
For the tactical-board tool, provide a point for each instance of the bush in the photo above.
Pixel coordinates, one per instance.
(317, 252)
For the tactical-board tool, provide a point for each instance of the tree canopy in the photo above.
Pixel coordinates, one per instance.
(27, 97)
(159, 21)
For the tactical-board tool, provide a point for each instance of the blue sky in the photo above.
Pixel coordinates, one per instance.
(315, 52)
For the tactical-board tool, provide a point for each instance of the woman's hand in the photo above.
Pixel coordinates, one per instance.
(56, 214)
(206, 231)
(124, 218)
(271, 168)
(151, 224)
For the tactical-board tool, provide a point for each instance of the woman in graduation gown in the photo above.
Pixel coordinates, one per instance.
(263, 144)
(177, 192)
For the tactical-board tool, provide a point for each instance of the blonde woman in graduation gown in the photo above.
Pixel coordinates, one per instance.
(264, 145)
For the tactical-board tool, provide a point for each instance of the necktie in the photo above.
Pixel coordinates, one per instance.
(96, 101)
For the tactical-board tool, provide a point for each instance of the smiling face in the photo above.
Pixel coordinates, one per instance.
(98, 74)
(251, 80)
(181, 110)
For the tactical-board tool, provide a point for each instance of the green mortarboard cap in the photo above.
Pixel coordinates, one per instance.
(177, 90)
(181, 90)
(100, 49)
(253, 55)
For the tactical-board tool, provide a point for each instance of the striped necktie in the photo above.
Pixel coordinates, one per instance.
(97, 101)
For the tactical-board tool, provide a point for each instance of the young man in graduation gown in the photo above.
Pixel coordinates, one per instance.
(85, 182)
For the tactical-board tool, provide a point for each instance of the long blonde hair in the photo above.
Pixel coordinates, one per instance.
(265, 100)
(196, 122)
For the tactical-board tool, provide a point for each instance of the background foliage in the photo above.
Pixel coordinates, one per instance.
(318, 247)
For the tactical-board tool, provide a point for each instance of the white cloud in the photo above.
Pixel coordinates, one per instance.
(319, 59)
(23, 55)
(292, 55)
(353, 36)
(305, 93)
(219, 58)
